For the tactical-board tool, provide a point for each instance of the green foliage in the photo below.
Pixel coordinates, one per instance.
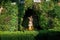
(56, 24)
(57, 11)
(26, 35)
(44, 21)
(9, 17)
(30, 35)
(28, 3)
(48, 13)
(46, 6)
(56, 20)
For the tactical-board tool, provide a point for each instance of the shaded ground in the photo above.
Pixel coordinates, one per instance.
(48, 35)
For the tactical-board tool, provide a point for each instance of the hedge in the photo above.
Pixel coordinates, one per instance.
(47, 12)
(30, 35)
(9, 19)
(22, 35)
(48, 35)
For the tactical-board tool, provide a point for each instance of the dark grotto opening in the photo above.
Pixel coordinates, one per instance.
(30, 20)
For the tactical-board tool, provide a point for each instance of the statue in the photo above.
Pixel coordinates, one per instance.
(1, 8)
(30, 25)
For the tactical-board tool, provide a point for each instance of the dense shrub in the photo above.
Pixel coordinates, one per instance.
(22, 35)
(8, 17)
(44, 21)
(47, 12)
(56, 19)
(28, 4)
(30, 35)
